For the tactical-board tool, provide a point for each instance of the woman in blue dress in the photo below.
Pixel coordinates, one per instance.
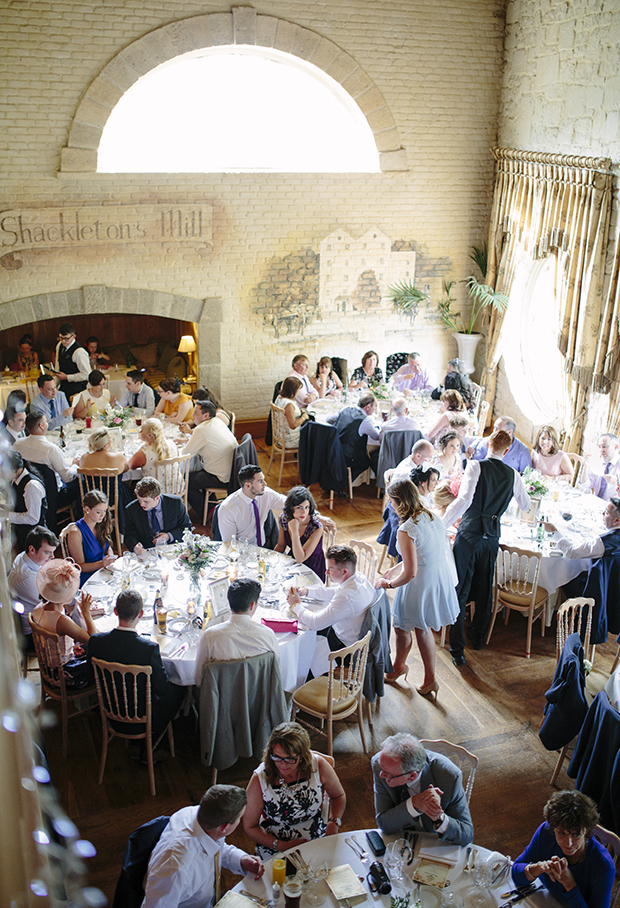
(302, 531)
(426, 598)
(88, 540)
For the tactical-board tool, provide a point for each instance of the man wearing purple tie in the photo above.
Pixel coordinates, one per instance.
(604, 478)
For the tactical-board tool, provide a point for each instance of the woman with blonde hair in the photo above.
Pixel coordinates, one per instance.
(449, 402)
(285, 794)
(156, 447)
(99, 455)
(88, 540)
(549, 458)
(425, 599)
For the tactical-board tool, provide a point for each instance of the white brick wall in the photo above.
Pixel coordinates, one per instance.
(438, 68)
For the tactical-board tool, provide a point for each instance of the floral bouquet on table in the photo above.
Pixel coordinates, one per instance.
(195, 553)
(534, 485)
(116, 417)
(381, 389)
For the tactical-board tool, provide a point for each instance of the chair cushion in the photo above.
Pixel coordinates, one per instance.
(523, 601)
(313, 694)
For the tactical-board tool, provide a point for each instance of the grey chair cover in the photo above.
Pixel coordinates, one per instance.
(240, 702)
(395, 446)
(377, 620)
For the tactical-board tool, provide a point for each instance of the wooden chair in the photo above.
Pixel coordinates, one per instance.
(477, 400)
(278, 422)
(516, 587)
(577, 462)
(329, 536)
(233, 420)
(569, 621)
(32, 389)
(64, 548)
(53, 683)
(338, 694)
(106, 481)
(481, 421)
(466, 761)
(173, 475)
(366, 558)
(119, 690)
(611, 842)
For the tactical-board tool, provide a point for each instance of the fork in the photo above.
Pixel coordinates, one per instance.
(355, 850)
(364, 854)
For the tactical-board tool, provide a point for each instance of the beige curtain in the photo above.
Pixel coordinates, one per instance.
(554, 205)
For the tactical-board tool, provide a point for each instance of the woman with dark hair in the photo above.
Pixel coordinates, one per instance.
(448, 459)
(285, 794)
(18, 400)
(325, 379)
(94, 399)
(88, 540)
(302, 531)
(572, 864)
(94, 353)
(426, 599)
(27, 356)
(457, 379)
(549, 458)
(294, 415)
(175, 406)
(221, 413)
(367, 372)
(449, 402)
(425, 478)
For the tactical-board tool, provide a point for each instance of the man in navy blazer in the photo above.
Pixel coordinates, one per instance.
(125, 645)
(154, 519)
(421, 790)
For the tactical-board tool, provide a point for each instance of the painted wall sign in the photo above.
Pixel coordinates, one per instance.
(41, 228)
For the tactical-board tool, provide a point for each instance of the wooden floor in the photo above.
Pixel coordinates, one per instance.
(492, 707)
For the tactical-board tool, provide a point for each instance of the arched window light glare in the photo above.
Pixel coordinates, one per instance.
(237, 110)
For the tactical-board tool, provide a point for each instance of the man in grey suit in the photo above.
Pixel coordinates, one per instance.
(421, 790)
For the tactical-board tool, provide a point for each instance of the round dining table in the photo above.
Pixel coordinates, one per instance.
(160, 571)
(336, 851)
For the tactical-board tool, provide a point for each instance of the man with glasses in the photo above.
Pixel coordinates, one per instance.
(72, 365)
(240, 636)
(419, 790)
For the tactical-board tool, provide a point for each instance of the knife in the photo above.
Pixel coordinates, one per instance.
(529, 888)
(177, 652)
(518, 898)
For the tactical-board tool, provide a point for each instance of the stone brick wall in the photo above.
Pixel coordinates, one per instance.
(561, 94)
(437, 68)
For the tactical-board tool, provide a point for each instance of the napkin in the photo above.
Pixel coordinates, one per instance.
(281, 625)
(436, 851)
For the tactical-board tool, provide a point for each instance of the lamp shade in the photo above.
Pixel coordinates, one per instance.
(187, 344)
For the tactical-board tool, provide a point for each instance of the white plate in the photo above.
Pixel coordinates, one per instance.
(178, 625)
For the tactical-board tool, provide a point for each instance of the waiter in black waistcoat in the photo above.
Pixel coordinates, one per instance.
(487, 489)
(72, 364)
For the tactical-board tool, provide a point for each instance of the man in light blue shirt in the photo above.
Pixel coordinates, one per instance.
(52, 402)
(137, 393)
(517, 456)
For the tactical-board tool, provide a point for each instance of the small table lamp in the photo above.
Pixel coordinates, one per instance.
(187, 344)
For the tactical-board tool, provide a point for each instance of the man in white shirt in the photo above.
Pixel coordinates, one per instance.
(37, 449)
(413, 376)
(342, 619)
(307, 393)
(41, 544)
(72, 363)
(215, 444)
(240, 636)
(52, 402)
(400, 422)
(604, 479)
(243, 514)
(137, 393)
(184, 866)
(486, 491)
(12, 426)
(421, 451)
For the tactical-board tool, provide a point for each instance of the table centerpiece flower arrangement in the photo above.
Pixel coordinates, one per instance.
(195, 553)
(534, 484)
(116, 417)
(381, 389)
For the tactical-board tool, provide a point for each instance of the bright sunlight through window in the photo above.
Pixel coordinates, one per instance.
(534, 365)
(221, 110)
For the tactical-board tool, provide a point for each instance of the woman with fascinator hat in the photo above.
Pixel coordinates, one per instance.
(57, 582)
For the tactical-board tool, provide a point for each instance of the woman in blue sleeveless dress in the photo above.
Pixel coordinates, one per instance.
(301, 530)
(88, 540)
(426, 598)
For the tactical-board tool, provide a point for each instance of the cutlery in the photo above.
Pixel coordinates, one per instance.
(255, 898)
(353, 848)
(179, 650)
(363, 854)
(517, 898)
(466, 867)
(530, 888)
(302, 862)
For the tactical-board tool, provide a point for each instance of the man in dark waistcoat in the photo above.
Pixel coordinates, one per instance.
(355, 428)
(29, 505)
(601, 581)
(486, 491)
(72, 364)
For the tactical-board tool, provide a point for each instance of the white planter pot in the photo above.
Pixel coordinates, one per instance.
(467, 344)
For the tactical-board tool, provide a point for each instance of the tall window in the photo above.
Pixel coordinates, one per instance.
(234, 110)
(534, 365)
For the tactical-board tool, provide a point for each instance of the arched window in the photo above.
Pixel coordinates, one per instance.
(534, 365)
(237, 109)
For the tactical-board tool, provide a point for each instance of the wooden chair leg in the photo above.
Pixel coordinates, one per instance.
(213, 776)
(205, 510)
(273, 451)
(558, 765)
(281, 466)
(530, 624)
(104, 748)
(65, 727)
(442, 639)
(382, 559)
(330, 738)
(492, 624)
(350, 476)
(149, 759)
(331, 500)
(360, 722)
(171, 739)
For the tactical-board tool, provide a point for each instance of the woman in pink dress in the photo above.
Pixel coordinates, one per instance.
(548, 457)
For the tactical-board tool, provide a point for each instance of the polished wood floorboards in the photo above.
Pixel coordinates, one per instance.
(492, 707)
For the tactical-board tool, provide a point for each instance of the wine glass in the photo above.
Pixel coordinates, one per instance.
(397, 854)
(483, 879)
(317, 871)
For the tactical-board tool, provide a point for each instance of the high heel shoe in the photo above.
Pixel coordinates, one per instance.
(429, 691)
(392, 677)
